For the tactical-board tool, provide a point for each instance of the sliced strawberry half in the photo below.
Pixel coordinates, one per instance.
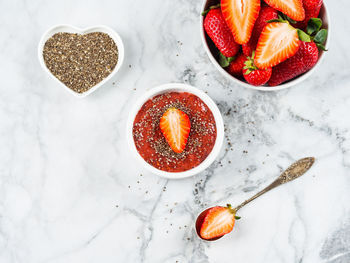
(266, 14)
(218, 221)
(278, 41)
(175, 126)
(240, 16)
(292, 8)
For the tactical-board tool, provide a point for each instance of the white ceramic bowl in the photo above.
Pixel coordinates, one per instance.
(177, 88)
(71, 29)
(211, 50)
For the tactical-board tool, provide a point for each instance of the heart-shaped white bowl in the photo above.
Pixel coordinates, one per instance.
(71, 29)
(211, 50)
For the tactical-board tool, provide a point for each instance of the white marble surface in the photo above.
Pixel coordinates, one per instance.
(70, 191)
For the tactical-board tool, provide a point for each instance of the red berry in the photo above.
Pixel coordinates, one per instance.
(220, 33)
(292, 8)
(236, 67)
(302, 61)
(312, 9)
(253, 75)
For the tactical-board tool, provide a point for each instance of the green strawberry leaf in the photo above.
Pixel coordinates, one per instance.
(321, 36)
(283, 19)
(237, 217)
(303, 36)
(321, 46)
(289, 19)
(225, 61)
(313, 25)
(275, 20)
(230, 59)
(205, 12)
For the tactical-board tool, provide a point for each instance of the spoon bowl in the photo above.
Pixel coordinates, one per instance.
(199, 222)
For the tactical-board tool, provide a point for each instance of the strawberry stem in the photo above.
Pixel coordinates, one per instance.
(205, 12)
(314, 33)
(249, 64)
(233, 211)
(303, 36)
(225, 61)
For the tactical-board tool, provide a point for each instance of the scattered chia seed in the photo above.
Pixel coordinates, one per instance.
(80, 61)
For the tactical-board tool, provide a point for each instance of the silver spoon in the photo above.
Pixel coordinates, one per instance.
(294, 171)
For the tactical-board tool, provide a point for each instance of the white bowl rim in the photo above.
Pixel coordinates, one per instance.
(73, 29)
(264, 88)
(179, 87)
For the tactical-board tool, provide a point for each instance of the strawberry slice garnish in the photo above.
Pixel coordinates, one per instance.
(278, 41)
(217, 222)
(240, 16)
(292, 8)
(175, 126)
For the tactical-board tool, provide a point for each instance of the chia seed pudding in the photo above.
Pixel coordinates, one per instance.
(151, 144)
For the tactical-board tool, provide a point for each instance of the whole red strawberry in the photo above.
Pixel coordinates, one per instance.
(220, 33)
(266, 13)
(305, 58)
(236, 67)
(312, 9)
(253, 75)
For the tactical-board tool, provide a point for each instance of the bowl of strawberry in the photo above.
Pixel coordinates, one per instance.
(265, 45)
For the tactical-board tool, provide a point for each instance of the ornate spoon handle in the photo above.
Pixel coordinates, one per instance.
(294, 171)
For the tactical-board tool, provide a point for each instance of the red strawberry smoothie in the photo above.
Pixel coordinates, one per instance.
(151, 144)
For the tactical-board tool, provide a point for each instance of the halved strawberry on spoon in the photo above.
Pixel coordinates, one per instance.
(240, 16)
(175, 126)
(218, 221)
(292, 8)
